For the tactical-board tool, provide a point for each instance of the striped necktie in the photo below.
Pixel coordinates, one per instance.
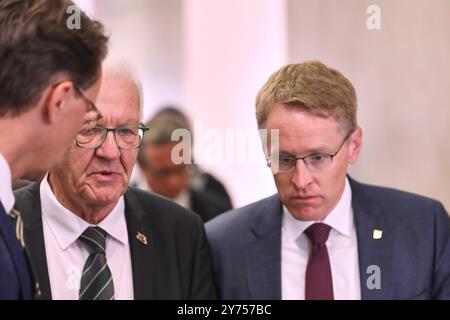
(96, 280)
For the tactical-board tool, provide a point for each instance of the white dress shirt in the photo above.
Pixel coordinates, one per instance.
(6, 192)
(66, 256)
(342, 250)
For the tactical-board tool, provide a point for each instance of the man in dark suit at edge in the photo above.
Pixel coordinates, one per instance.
(48, 77)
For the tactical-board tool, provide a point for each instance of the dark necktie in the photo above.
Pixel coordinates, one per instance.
(318, 281)
(96, 280)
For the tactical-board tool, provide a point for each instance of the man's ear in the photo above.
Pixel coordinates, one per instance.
(355, 145)
(55, 100)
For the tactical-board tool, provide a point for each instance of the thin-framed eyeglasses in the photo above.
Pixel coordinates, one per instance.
(90, 105)
(125, 137)
(314, 162)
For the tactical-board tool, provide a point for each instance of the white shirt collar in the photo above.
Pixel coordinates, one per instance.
(6, 192)
(183, 199)
(67, 226)
(339, 219)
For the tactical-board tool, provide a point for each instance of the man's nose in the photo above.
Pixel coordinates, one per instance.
(301, 176)
(109, 149)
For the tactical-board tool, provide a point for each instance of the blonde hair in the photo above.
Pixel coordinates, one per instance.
(312, 86)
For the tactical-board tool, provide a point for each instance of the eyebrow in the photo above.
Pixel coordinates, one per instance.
(317, 150)
(121, 125)
(129, 125)
(310, 151)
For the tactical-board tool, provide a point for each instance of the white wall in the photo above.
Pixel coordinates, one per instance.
(148, 33)
(231, 47)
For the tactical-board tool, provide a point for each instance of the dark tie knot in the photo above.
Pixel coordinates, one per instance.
(318, 233)
(95, 239)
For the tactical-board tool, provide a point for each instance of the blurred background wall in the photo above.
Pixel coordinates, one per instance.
(211, 56)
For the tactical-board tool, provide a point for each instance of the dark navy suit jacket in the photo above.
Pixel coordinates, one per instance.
(15, 281)
(413, 254)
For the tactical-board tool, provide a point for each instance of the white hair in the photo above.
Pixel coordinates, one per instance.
(116, 65)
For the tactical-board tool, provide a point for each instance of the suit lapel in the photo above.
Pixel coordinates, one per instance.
(375, 255)
(263, 255)
(34, 239)
(142, 255)
(16, 253)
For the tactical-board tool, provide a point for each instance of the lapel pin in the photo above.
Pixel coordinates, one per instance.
(142, 238)
(377, 234)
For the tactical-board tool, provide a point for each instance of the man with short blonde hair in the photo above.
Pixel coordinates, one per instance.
(320, 90)
(324, 235)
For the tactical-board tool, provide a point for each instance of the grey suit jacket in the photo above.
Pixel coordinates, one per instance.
(175, 264)
(413, 254)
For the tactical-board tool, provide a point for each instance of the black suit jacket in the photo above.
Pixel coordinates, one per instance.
(175, 264)
(207, 204)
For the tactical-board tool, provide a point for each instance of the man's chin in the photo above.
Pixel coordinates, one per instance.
(306, 213)
(105, 196)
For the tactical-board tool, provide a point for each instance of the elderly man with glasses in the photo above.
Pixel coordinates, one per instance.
(324, 235)
(89, 236)
(43, 69)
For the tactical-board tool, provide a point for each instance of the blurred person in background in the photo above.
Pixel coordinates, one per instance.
(183, 183)
(49, 76)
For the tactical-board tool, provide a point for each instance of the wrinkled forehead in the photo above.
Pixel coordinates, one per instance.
(119, 101)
